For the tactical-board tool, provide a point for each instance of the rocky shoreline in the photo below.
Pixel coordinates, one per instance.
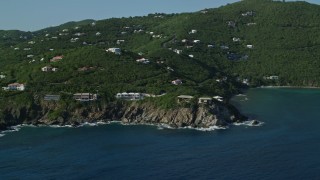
(201, 116)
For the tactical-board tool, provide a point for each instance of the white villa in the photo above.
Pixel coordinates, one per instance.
(116, 51)
(130, 96)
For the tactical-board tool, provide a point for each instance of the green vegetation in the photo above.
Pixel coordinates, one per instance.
(285, 39)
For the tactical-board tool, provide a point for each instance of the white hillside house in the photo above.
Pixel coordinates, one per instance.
(14, 87)
(49, 69)
(176, 82)
(143, 60)
(130, 96)
(116, 51)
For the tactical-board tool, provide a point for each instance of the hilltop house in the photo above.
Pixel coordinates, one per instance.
(184, 98)
(85, 97)
(56, 59)
(130, 96)
(49, 69)
(176, 82)
(116, 51)
(14, 87)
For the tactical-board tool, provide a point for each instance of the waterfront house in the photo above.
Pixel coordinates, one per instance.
(271, 77)
(184, 99)
(130, 96)
(85, 97)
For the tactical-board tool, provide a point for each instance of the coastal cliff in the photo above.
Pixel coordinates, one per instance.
(199, 116)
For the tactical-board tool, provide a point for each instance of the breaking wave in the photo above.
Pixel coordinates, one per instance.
(251, 123)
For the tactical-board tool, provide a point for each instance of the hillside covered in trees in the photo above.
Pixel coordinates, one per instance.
(214, 52)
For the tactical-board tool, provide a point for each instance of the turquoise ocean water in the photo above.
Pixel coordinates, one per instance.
(287, 146)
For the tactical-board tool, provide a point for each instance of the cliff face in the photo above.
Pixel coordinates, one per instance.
(202, 116)
(133, 113)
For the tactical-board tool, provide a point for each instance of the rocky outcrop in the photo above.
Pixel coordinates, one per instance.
(202, 116)
(130, 113)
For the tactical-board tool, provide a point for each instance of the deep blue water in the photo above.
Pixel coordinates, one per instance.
(287, 146)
